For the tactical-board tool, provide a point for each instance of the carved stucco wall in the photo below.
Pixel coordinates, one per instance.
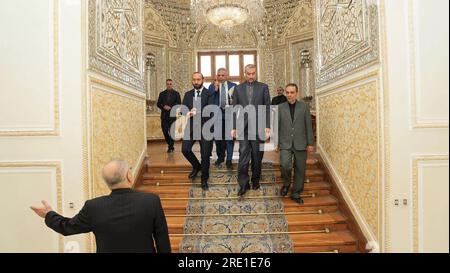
(115, 100)
(280, 58)
(115, 40)
(349, 136)
(347, 37)
(295, 62)
(212, 37)
(118, 122)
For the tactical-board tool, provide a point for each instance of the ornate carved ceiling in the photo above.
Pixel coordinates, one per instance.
(176, 15)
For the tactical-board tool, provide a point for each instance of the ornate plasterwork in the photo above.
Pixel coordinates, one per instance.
(349, 135)
(155, 26)
(117, 131)
(157, 83)
(347, 37)
(295, 50)
(279, 70)
(301, 21)
(115, 40)
(181, 64)
(212, 37)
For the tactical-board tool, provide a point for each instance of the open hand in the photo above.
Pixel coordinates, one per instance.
(42, 211)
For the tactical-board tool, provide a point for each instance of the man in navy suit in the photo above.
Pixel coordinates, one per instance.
(223, 91)
(253, 94)
(196, 100)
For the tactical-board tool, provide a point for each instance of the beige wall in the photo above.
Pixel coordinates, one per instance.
(416, 75)
(40, 120)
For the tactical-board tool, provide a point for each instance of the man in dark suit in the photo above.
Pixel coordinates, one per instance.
(223, 91)
(168, 99)
(296, 138)
(280, 98)
(124, 221)
(257, 94)
(196, 100)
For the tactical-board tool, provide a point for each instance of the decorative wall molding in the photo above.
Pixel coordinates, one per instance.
(347, 37)
(115, 40)
(418, 121)
(55, 131)
(295, 49)
(417, 162)
(42, 165)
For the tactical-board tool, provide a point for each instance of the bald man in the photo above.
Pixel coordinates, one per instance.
(124, 221)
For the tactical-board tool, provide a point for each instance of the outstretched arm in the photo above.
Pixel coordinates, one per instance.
(65, 226)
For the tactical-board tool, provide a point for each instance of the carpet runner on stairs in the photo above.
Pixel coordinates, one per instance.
(219, 222)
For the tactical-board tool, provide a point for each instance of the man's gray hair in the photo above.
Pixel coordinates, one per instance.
(115, 172)
(249, 66)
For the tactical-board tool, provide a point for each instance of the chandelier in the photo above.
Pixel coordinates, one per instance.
(227, 14)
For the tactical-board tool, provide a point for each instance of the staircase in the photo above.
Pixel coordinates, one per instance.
(315, 226)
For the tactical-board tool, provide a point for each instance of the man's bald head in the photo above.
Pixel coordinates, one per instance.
(115, 172)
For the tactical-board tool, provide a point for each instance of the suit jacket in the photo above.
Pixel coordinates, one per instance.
(297, 134)
(261, 96)
(217, 93)
(124, 221)
(170, 98)
(207, 98)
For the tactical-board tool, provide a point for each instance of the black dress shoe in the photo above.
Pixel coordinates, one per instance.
(205, 186)
(297, 200)
(218, 162)
(194, 173)
(256, 186)
(229, 165)
(243, 190)
(284, 190)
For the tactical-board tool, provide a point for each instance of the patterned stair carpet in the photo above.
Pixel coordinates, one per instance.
(212, 217)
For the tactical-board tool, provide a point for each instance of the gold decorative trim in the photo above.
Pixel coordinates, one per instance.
(415, 119)
(58, 177)
(326, 230)
(344, 86)
(385, 242)
(89, 238)
(115, 88)
(416, 160)
(56, 112)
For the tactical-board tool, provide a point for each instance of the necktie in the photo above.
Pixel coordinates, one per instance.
(250, 93)
(223, 97)
(198, 94)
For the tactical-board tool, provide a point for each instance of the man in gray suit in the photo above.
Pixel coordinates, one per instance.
(295, 139)
(251, 93)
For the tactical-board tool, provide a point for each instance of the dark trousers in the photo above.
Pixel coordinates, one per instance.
(205, 151)
(289, 158)
(165, 125)
(249, 150)
(224, 145)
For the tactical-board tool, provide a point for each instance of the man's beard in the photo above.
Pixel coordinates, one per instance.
(197, 86)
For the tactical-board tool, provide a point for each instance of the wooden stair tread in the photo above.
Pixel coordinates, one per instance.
(319, 239)
(169, 188)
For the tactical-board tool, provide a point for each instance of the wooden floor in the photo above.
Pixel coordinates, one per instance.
(166, 175)
(157, 151)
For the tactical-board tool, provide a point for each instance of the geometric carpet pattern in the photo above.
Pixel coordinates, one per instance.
(219, 222)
